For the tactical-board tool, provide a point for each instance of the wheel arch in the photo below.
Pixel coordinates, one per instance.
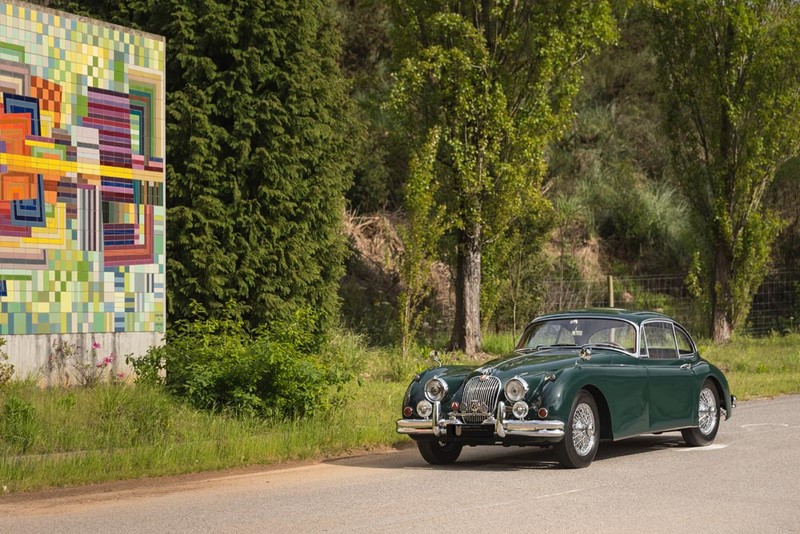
(723, 402)
(603, 411)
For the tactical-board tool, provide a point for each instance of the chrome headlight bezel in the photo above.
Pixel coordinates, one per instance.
(435, 389)
(515, 389)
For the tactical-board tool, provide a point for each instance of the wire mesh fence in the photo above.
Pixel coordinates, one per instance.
(775, 307)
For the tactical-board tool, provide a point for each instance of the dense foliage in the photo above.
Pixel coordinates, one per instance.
(610, 176)
(285, 370)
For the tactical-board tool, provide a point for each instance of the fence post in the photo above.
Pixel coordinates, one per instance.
(610, 291)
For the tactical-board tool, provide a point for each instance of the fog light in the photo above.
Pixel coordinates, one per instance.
(424, 408)
(407, 411)
(543, 413)
(520, 410)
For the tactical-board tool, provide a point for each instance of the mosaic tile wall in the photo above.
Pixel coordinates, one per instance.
(81, 175)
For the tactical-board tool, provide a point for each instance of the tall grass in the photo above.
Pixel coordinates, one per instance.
(57, 436)
(758, 367)
(118, 432)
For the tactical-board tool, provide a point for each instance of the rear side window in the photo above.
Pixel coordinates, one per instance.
(660, 341)
(685, 347)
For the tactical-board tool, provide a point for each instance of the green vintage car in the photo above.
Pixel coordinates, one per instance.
(575, 377)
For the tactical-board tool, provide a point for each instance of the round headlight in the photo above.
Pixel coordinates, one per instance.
(520, 410)
(515, 389)
(435, 389)
(424, 408)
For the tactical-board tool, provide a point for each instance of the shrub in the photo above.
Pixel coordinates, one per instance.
(280, 371)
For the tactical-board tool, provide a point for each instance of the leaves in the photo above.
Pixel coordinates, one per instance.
(733, 110)
(494, 82)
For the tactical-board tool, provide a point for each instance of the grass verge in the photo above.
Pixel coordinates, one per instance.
(62, 437)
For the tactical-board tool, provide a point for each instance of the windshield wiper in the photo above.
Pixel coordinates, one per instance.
(527, 350)
(610, 345)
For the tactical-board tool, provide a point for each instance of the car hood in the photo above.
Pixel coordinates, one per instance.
(537, 363)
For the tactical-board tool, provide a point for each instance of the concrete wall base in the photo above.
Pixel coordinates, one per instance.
(29, 353)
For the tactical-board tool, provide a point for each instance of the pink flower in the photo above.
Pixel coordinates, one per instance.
(120, 375)
(95, 345)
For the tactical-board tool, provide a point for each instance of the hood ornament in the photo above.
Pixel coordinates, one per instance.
(486, 373)
(586, 353)
(434, 355)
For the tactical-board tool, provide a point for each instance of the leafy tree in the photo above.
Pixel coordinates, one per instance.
(420, 237)
(732, 100)
(258, 121)
(496, 78)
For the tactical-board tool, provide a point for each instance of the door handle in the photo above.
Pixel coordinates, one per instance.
(686, 366)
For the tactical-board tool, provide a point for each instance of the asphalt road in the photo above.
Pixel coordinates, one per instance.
(747, 481)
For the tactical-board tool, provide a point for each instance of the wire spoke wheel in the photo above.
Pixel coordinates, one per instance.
(707, 411)
(583, 431)
(708, 417)
(581, 435)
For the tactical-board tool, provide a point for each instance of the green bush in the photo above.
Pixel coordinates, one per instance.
(284, 370)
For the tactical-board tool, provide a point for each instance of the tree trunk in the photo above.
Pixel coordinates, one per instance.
(466, 334)
(721, 297)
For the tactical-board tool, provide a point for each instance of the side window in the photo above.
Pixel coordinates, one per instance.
(660, 341)
(685, 347)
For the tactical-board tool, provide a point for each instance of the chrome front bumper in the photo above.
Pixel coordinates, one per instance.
(437, 425)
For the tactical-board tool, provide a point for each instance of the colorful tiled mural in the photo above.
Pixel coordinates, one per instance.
(81, 175)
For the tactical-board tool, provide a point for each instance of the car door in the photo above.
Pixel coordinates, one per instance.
(671, 396)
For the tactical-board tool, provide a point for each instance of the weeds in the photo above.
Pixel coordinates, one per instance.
(6, 369)
(19, 423)
(67, 360)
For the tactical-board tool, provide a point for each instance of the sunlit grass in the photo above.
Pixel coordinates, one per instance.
(60, 437)
(758, 367)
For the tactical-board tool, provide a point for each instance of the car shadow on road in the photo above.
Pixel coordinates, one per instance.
(495, 458)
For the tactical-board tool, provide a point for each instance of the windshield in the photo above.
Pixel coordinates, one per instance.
(579, 331)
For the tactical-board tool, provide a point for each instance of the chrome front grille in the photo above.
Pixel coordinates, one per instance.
(480, 398)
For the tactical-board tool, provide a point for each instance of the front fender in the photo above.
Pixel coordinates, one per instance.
(453, 375)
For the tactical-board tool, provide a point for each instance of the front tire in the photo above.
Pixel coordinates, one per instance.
(581, 435)
(708, 412)
(436, 453)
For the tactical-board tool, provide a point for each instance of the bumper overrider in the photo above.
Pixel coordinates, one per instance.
(437, 426)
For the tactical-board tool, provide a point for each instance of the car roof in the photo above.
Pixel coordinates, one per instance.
(634, 316)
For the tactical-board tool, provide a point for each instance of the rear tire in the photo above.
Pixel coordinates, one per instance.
(436, 453)
(708, 412)
(581, 435)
